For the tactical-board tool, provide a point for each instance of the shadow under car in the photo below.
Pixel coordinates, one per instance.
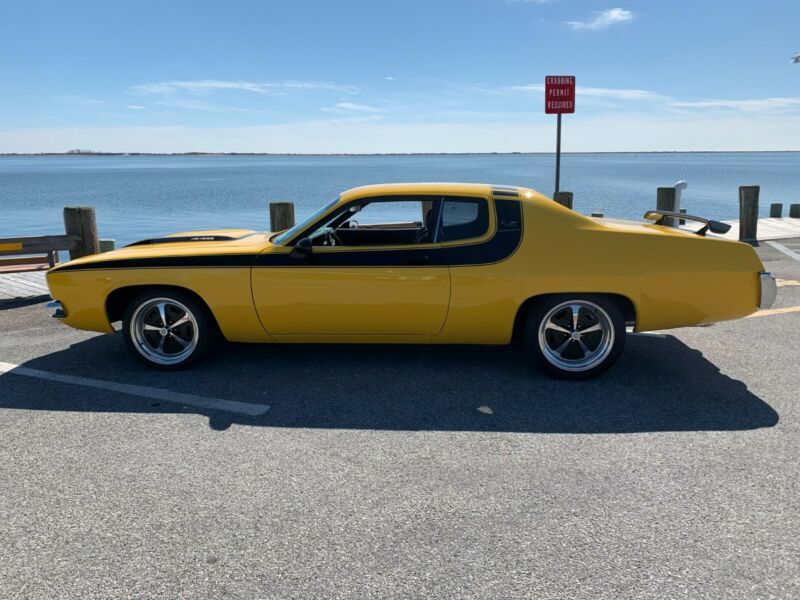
(658, 384)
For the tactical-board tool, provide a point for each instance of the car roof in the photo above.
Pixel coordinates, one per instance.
(392, 189)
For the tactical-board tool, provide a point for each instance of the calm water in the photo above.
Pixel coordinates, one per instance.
(137, 197)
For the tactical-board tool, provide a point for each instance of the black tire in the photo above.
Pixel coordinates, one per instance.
(552, 345)
(160, 347)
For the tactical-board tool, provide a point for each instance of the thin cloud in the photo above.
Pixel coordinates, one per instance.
(602, 19)
(197, 105)
(79, 99)
(353, 107)
(597, 92)
(206, 86)
(770, 104)
(750, 105)
(618, 133)
(135, 107)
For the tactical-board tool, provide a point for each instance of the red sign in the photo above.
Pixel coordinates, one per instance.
(559, 94)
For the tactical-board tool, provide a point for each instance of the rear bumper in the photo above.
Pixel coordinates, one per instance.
(769, 290)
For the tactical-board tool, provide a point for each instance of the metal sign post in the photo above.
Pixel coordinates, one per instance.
(558, 153)
(559, 98)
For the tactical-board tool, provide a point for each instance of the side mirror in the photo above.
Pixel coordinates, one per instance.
(718, 227)
(302, 248)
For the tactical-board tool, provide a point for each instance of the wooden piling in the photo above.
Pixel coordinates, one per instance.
(748, 213)
(563, 198)
(81, 221)
(665, 200)
(776, 210)
(281, 215)
(598, 215)
(794, 211)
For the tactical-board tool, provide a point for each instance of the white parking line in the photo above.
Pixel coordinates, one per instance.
(653, 334)
(787, 251)
(774, 311)
(242, 408)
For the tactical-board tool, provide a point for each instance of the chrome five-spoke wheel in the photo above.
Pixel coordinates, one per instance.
(165, 331)
(575, 338)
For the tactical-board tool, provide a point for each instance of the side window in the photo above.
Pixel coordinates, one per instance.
(463, 218)
(391, 215)
(384, 221)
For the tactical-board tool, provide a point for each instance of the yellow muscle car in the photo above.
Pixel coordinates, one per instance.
(418, 263)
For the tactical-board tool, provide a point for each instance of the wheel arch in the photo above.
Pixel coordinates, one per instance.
(624, 303)
(119, 299)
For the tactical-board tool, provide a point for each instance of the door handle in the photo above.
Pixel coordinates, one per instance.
(422, 260)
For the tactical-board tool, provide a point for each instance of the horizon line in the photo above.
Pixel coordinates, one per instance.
(476, 153)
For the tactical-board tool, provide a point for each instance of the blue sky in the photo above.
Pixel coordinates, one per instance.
(389, 76)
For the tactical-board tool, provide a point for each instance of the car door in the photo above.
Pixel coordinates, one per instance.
(380, 279)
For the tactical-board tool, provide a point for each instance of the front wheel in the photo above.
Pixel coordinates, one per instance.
(574, 337)
(166, 329)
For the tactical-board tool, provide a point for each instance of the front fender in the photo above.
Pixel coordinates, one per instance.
(226, 292)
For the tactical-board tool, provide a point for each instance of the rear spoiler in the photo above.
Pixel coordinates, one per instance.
(663, 217)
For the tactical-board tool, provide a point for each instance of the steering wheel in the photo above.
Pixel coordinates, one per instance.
(331, 239)
(421, 236)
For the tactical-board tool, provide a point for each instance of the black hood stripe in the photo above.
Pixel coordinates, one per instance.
(164, 262)
(188, 238)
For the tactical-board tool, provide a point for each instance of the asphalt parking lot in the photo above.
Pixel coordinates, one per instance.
(375, 472)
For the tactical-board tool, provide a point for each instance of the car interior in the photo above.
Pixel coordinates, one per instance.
(404, 221)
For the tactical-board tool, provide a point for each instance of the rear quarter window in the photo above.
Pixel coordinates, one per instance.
(463, 218)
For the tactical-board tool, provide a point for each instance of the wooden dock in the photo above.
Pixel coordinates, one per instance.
(769, 229)
(23, 286)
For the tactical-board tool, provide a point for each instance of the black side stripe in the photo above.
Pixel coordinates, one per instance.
(499, 247)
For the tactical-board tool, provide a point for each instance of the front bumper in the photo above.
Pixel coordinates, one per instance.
(769, 290)
(55, 310)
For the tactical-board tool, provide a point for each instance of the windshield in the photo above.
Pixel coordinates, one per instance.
(290, 233)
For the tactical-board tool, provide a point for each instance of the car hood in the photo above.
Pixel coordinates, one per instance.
(197, 237)
(186, 243)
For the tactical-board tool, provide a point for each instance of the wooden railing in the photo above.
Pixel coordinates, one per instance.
(47, 245)
(668, 198)
(33, 253)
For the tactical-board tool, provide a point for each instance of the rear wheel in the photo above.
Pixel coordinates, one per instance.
(574, 337)
(166, 329)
